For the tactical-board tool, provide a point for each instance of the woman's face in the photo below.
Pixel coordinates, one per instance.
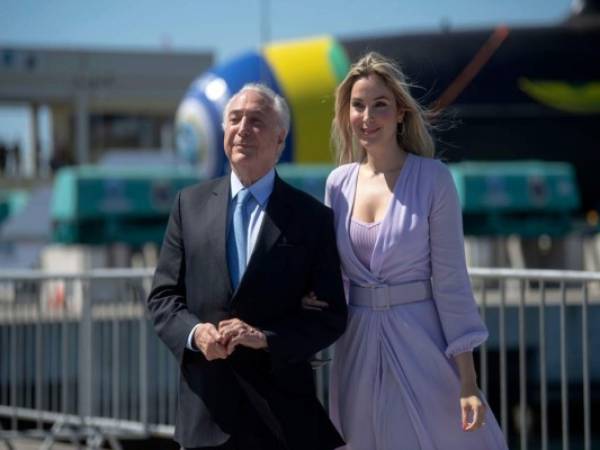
(374, 116)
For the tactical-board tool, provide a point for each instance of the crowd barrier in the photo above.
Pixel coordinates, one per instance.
(79, 359)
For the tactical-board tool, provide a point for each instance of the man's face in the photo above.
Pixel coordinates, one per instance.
(253, 136)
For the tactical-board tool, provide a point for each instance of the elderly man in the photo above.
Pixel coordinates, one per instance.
(238, 255)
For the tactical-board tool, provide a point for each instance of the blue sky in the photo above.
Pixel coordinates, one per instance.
(228, 27)
(231, 26)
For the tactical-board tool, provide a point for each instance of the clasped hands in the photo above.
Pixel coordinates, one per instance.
(220, 342)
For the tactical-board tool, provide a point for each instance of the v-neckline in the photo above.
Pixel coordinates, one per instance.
(352, 201)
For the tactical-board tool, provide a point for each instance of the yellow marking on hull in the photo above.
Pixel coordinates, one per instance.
(584, 99)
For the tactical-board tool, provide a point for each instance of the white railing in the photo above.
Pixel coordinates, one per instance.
(78, 351)
(558, 304)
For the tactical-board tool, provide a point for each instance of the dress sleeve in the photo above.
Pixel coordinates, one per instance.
(331, 192)
(329, 189)
(459, 316)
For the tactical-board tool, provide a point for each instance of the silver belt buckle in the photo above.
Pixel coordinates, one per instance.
(380, 297)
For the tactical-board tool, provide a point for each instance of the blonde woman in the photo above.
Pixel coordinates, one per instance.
(403, 375)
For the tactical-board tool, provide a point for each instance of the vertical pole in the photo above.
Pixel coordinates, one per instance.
(13, 360)
(503, 382)
(116, 369)
(34, 155)
(265, 33)
(564, 385)
(586, 369)
(522, 366)
(85, 353)
(543, 382)
(39, 363)
(66, 355)
(82, 128)
(139, 298)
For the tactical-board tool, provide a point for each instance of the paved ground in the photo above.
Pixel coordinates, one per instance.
(32, 444)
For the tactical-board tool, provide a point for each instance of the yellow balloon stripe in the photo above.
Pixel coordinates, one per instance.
(307, 76)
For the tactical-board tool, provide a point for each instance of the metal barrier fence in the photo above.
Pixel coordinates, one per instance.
(77, 351)
(80, 361)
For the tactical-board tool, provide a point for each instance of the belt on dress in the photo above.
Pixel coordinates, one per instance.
(383, 296)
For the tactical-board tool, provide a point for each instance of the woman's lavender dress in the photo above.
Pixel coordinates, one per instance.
(394, 383)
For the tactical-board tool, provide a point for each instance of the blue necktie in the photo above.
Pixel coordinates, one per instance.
(237, 242)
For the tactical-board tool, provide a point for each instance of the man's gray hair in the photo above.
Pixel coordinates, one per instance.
(277, 102)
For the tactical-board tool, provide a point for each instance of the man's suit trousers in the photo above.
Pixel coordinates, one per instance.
(252, 434)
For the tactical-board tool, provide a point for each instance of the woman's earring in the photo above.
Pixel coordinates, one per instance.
(400, 128)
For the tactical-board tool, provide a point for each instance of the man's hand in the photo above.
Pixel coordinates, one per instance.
(209, 341)
(235, 332)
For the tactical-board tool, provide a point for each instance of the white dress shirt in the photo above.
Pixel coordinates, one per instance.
(257, 204)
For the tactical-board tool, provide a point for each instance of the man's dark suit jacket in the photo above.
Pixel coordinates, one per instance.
(295, 253)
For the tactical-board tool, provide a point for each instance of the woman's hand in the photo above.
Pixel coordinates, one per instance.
(471, 407)
(310, 302)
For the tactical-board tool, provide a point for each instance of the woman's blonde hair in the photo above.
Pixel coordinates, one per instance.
(413, 133)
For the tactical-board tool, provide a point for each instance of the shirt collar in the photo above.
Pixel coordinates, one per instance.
(260, 190)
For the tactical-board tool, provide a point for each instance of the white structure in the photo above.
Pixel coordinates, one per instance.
(78, 83)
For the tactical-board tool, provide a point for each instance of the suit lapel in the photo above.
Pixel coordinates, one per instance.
(274, 222)
(216, 209)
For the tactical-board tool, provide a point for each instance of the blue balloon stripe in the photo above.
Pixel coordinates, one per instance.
(247, 68)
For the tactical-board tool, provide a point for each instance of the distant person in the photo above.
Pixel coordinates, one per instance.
(16, 152)
(403, 376)
(60, 159)
(3, 158)
(238, 255)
